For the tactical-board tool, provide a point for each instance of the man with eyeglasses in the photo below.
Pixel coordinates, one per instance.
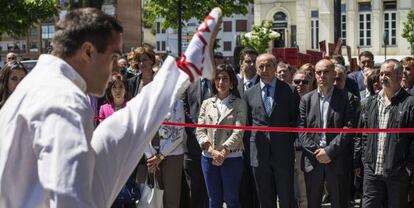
(324, 156)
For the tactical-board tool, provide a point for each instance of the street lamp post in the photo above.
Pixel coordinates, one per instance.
(385, 40)
(337, 19)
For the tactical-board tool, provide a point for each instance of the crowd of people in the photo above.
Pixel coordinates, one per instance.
(206, 167)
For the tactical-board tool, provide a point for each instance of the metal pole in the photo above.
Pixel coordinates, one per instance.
(180, 6)
(337, 20)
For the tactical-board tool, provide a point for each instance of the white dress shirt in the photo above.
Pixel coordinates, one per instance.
(50, 156)
(324, 108)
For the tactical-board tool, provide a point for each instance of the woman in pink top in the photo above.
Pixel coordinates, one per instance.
(116, 95)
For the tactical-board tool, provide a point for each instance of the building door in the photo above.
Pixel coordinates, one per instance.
(280, 24)
(280, 42)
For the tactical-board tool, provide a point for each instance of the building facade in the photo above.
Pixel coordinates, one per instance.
(129, 13)
(364, 23)
(227, 37)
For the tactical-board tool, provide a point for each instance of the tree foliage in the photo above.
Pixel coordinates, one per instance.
(18, 16)
(168, 10)
(408, 30)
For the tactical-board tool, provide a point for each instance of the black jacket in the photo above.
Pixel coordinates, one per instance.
(276, 147)
(341, 114)
(399, 147)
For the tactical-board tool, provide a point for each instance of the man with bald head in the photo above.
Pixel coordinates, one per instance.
(324, 156)
(272, 102)
(387, 158)
(11, 57)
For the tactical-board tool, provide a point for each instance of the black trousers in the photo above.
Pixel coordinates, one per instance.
(380, 191)
(272, 182)
(194, 193)
(248, 195)
(336, 182)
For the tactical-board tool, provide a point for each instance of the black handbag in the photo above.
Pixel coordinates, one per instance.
(129, 194)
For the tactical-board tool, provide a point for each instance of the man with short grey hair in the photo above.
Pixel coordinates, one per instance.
(387, 158)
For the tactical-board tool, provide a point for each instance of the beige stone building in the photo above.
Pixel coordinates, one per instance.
(363, 23)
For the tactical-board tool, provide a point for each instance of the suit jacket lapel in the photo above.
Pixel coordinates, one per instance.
(213, 113)
(278, 93)
(334, 101)
(228, 109)
(315, 108)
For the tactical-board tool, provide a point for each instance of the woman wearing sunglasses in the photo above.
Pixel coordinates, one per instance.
(10, 76)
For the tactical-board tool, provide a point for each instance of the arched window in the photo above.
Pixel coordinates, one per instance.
(279, 16)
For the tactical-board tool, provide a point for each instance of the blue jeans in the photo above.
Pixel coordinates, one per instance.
(223, 181)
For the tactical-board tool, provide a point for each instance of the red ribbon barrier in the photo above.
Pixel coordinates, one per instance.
(294, 129)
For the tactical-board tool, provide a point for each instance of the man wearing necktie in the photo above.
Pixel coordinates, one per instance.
(272, 102)
(325, 155)
(246, 80)
(247, 77)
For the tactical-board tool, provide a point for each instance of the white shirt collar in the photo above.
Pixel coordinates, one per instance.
(272, 83)
(64, 68)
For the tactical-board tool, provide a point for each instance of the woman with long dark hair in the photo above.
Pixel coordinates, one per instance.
(10, 76)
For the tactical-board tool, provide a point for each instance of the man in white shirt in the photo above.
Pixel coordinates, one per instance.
(49, 154)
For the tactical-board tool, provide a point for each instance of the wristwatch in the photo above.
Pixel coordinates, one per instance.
(161, 156)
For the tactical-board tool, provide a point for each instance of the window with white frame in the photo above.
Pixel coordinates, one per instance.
(390, 22)
(48, 31)
(314, 29)
(365, 24)
(343, 23)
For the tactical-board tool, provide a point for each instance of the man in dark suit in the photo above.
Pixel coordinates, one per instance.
(272, 102)
(247, 77)
(325, 155)
(366, 60)
(194, 193)
(246, 80)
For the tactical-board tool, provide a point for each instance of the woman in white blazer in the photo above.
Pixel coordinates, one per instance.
(222, 161)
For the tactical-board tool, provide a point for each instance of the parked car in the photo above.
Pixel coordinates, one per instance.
(29, 64)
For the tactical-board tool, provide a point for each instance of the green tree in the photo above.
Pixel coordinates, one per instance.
(18, 16)
(408, 30)
(168, 10)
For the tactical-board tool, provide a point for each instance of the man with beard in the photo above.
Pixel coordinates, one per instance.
(246, 80)
(387, 158)
(247, 77)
